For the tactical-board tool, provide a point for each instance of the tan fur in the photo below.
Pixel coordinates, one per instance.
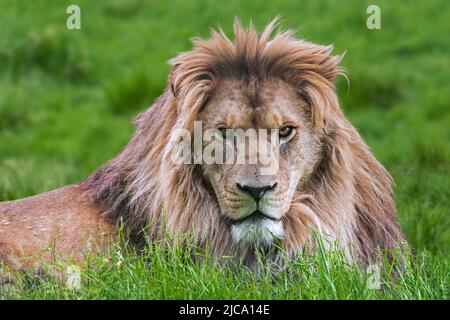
(56, 225)
(346, 194)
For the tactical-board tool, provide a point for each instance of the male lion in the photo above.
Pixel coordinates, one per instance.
(327, 179)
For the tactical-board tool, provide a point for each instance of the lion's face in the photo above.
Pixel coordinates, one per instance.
(253, 200)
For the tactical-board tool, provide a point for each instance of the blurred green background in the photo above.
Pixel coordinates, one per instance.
(67, 97)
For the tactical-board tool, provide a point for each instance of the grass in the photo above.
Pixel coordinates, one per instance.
(166, 272)
(67, 99)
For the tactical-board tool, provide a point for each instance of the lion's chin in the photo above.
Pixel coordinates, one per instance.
(257, 232)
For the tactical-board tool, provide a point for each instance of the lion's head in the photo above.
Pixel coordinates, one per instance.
(327, 179)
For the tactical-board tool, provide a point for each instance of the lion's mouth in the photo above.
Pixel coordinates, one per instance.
(256, 215)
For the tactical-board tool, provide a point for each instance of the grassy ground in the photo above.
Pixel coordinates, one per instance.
(67, 99)
(163, 272)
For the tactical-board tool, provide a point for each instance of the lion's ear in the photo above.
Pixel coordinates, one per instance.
(316, 70)
(188, 69)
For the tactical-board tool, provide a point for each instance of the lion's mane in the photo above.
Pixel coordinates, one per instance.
(349, 197)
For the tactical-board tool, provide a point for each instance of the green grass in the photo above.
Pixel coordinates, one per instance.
(166, 272)
(67, 99)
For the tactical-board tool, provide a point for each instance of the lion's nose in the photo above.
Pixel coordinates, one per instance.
(256, 192)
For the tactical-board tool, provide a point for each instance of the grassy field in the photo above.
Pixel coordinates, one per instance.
(67, 99)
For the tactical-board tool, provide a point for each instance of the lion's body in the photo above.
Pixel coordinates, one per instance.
(51, 226)
(328, 179)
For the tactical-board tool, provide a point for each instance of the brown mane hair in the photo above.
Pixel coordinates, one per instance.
(349, 197)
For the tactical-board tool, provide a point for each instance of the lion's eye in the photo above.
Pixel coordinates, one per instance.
(285, 132)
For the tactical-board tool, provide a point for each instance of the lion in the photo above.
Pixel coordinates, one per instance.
(327, 184)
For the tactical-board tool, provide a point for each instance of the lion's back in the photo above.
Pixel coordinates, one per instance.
(61, 220)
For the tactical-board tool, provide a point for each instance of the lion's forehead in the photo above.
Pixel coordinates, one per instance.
(232, 105)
